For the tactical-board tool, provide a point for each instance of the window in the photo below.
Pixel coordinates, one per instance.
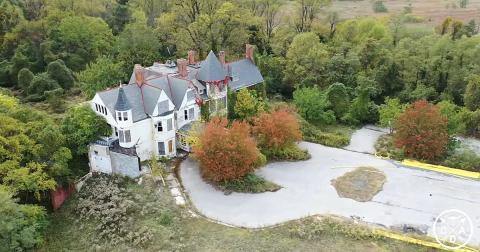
(128, 138)
(96, 107)
(161, 148)
(191, 114)
(122, 116)
(121, 136)
(124, 136)
(116, 131)
(169, 124)
(159, 127)
(185, 114)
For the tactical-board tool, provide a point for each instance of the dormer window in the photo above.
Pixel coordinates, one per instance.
(122, 116)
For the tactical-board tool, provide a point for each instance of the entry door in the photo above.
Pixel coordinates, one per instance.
(161, 148)
(170, 146)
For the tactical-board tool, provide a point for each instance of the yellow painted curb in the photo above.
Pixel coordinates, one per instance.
(442, 169)
(412, 240)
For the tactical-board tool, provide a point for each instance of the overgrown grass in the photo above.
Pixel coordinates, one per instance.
(251, 183)
(333, 136)
(385, 148)
(174, 229)
(361, 184)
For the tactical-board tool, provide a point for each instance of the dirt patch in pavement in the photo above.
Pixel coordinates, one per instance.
(361, 184)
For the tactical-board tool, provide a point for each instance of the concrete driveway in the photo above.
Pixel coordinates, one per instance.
(409, 196)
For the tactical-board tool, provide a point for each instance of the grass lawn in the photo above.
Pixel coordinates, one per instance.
(155, 223)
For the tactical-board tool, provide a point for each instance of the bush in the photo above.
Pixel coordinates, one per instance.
(106, 201)
(337, 95)
(261, 160)
(276, 130)
(313, 105)
(290, 152)
(384, 147)
(390, 111)
(247, 104)
(55, 99)
(333, 139)
(81, 126)
(58, 71)
(467, 160)
(25, 77)
(250, 183)
(422, 132)
(41, 83)
(21, 226)
(379, 6)
(225, 153)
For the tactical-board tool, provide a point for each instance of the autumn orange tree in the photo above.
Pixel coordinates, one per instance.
(225, 153)
(277, 129)
(422, 132)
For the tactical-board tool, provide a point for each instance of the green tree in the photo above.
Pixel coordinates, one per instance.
(313, 105)
(390, 111)
(337, 95)
(363, 109)
(453, 113)
(40, 83)
(21, 226)
(82, 126)
(472, 93)
(246, 104)
(120, 16)
(306, 60)
(25, 77)
(81, 39)
(379, 6)
(137, 44)
(100, 75)
(60, 73)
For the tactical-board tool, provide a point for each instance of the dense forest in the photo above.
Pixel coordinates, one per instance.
(58, 53)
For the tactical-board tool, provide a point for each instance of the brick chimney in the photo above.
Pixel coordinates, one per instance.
(191, 57)
(139, 74)
(182, 67)
(249, 52)
(221, 57)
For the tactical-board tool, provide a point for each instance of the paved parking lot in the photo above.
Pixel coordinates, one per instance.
(409, 196)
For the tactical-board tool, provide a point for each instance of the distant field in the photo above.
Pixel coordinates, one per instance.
(433, 11)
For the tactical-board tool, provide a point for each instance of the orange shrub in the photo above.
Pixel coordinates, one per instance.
(225, 153)
(422, 132)
(277, 129)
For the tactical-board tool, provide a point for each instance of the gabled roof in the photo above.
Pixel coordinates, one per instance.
(122, 103)
(211, 69)
(244, 73)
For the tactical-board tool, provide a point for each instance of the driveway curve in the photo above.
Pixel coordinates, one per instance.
(409, 196)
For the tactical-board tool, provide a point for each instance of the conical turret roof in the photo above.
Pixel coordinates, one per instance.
(211, 69)
(122, 103)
